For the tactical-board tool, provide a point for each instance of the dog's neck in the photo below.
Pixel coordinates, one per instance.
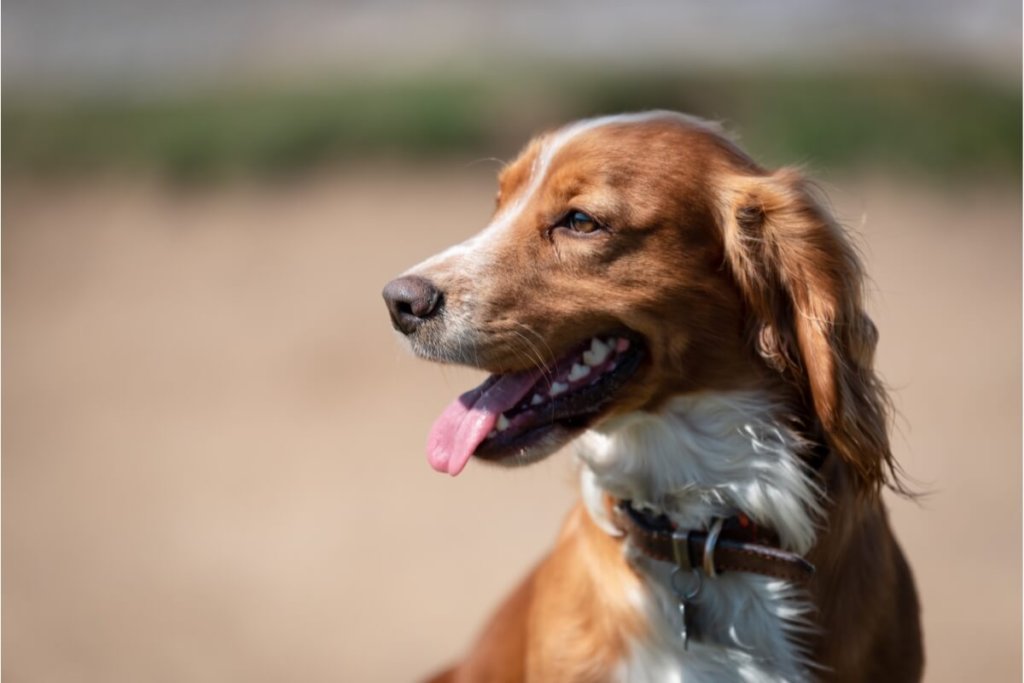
(704, 456)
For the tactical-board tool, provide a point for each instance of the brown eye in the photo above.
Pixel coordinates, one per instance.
(578, 221)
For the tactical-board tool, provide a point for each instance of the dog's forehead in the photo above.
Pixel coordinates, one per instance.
(588, 149)
(602, 142)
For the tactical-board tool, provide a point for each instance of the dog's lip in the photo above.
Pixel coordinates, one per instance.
(519, 402)
(559, 417)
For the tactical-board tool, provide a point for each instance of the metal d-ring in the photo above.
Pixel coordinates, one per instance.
(709, 547)
(682, 594)
(686, 617)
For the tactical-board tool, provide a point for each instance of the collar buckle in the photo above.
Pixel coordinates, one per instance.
(741, 549)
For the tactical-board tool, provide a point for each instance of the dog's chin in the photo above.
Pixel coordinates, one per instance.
(528, 448)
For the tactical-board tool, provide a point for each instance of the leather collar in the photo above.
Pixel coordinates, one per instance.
(733, 544)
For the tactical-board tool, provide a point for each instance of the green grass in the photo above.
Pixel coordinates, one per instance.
(205, 137)
(937, 126)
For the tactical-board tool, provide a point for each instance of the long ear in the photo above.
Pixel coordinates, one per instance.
(803, 282)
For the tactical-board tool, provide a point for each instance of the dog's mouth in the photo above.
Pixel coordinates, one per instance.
(519, 418)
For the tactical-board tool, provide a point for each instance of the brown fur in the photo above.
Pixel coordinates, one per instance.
(803, 282)
(581, 593)
(737, 279)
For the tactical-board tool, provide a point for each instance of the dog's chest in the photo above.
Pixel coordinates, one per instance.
(700, 459)
(737, 633)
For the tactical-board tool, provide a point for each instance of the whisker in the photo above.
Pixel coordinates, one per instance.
(540, 337)
(545, 361)
(532, 353)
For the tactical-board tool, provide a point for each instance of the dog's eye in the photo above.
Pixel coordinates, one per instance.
(577, 221)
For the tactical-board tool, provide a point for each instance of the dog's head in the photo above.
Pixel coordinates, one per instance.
(631, 259)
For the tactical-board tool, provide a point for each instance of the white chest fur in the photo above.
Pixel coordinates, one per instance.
(705, 456)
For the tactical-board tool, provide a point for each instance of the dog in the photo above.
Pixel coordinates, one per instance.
(693, 325)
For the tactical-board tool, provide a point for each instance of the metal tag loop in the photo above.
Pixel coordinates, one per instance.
(709, 547)
(681, 593)
(687, 623)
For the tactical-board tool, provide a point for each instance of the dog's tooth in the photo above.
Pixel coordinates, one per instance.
(502, 423)
(578, 372)
(621, 345)
(536, 400)
(597, 353)
(558, 388)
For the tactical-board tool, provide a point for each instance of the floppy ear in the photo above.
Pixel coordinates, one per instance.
(803, 282)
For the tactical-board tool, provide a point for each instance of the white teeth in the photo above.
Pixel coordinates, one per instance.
(502, 423)
(536, 400)
(558, 388)
(597, 353)
(578, 372)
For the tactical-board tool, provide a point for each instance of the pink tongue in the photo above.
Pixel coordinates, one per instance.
(470, 418)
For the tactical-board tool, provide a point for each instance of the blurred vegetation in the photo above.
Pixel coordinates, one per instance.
(938, 125)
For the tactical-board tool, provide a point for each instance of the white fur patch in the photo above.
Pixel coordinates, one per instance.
(704, 456)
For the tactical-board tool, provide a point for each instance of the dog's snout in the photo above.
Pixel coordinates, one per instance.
(411, 301)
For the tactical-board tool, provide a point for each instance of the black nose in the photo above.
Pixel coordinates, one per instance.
(411, 301)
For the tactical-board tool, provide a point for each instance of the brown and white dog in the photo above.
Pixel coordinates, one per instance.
(693, 325)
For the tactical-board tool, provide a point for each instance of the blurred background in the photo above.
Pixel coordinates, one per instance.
(213, 446)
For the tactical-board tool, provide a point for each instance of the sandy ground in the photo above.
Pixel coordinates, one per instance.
(213, 462)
